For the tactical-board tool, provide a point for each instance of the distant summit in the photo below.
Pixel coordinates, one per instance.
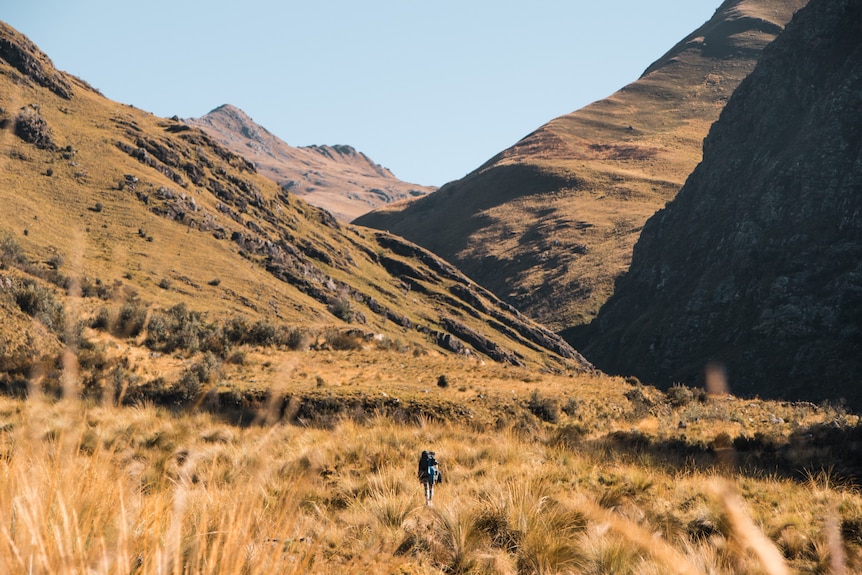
(337, 178)
(550, 223)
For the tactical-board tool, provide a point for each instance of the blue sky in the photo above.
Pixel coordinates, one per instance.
(428, 89)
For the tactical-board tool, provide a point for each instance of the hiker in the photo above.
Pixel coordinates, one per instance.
(429, 474)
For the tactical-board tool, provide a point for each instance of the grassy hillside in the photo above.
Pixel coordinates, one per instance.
(550, 223)
(154, 225)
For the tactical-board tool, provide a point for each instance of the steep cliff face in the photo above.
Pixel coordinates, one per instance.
(550, 223)
(758, 261)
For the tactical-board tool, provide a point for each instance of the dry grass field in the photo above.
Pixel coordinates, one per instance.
(589, 475)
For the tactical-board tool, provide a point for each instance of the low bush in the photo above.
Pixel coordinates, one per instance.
(681, 395)
(263, 333)
(40, 303)
(545, 408)
(344, 342)
(340, 308)
(297, 339)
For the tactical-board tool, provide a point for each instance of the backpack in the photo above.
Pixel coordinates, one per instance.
(431, 469)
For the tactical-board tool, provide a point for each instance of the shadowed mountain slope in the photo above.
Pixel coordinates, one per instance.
(757, 263)
(337, 178)
(549, 223)
(121, 206)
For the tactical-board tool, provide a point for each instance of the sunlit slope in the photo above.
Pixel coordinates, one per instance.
(124, 205)
(549, 223)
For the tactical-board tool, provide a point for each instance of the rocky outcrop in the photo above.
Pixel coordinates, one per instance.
(31, 127)
(757, 263)
(20, 53)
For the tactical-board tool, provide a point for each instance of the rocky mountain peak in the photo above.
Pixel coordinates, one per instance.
(338, 178)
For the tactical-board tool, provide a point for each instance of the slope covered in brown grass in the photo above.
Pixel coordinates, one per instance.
(339, 179)
(550, 223)
(163, 234)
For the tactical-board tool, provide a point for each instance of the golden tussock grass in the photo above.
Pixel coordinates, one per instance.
(101, 489)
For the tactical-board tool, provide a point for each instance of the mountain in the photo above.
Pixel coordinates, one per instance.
(337, 178)
(757, 263)
(550, 223)
(152, 222)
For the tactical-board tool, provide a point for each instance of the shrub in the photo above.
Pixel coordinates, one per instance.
(237, 358)
(91, 288)
(39, 303)
(102, 320)
(55, 261)
(236, 330)
(443, 381)
(130, 320)
(569, 436)
(681, 395)
(189, 386)
(11, 252)
(571, 407)
(187, 334)
(177, 328)
(263, 333)
(340, 308)
(211, 338)
(545, 408)
(207, 370)
(344, 342)
(165, 283)
(297, 339)
(158, 329)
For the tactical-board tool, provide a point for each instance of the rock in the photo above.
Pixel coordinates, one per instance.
(31, 127)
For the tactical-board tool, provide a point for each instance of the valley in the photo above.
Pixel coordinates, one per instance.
(204, 371)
